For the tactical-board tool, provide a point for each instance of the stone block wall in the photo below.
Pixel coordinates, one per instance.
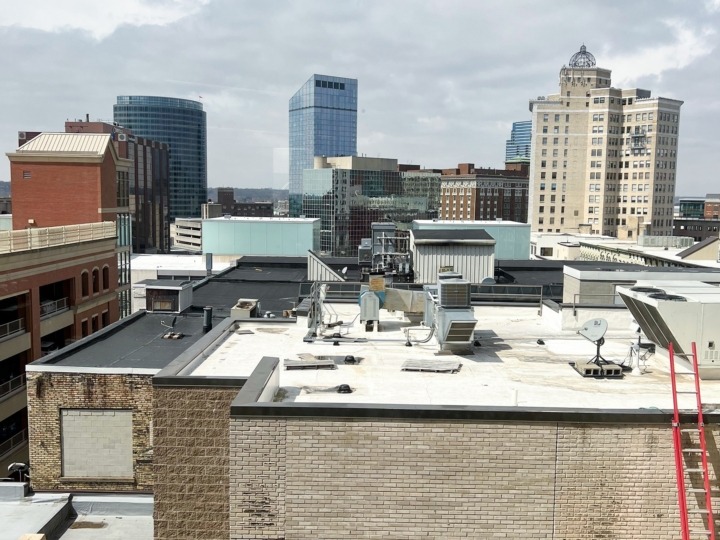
(50, 393)
(315, 478)
(191, 434)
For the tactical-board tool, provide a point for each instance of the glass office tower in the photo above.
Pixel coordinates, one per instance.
(323, 122)
(348, 201)
(182, 124)
(519, 143)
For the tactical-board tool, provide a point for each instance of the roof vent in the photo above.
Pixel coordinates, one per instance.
(344, 389)
(647, 289)
(665, 296)
(350, 359)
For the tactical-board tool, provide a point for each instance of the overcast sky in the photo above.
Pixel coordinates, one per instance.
(440, 82)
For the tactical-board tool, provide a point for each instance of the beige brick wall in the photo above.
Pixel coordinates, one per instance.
(191, 431)
(49, 393)
(301, 478)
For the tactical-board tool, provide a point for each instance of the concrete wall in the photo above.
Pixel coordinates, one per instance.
(298, 478)
(51, 393)
(191, 430)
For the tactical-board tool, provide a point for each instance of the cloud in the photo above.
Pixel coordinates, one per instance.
(689, 45)
(97, 18)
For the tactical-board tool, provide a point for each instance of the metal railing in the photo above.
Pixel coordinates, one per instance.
(52, 306)
(26, 239)
(13, 384)
(12, 327)
(617, 301)
(13, 442)
(350, 291)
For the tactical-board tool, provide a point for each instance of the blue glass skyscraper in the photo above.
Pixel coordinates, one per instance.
(519, 143)
(323, 122)
(182, 124)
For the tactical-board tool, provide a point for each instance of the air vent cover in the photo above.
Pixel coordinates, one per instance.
(665, 296)
(454, 293)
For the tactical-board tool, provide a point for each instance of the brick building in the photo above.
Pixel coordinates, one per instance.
(72, 178)
(485, 194)
(148, 183)
(57, 285)
(245, 446)
(230, 207)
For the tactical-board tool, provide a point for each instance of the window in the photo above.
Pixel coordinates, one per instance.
(96, 443)
(557, 117)
(545, 129)
(106, 277)
(545, 117)
(85, 283)
(95, 281)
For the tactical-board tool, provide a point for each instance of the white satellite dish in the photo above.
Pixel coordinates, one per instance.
(594, 330)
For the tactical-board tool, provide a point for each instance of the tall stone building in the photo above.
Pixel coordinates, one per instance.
(603, 158)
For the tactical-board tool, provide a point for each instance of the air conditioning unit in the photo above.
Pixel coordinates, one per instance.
(122, 137)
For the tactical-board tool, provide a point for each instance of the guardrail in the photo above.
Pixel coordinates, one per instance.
(52, 306)
(13, 442)
(12, 327)
(350, 291)
(577, 296)
(25, 239)
(12, 385)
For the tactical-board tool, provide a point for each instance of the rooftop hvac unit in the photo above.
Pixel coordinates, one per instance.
(454, 293)
(455, 328)
(680, 313)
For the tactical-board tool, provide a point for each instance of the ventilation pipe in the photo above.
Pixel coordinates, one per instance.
(207, 318)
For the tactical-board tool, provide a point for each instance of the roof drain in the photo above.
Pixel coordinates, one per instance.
(344, 389)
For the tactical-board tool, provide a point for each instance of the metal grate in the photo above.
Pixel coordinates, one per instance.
(460, 332)
(317, 363)
(435, 366)
(454, 294)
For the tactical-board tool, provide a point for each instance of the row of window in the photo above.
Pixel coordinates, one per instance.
(97, 283)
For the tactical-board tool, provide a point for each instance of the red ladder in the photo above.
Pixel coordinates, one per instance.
(681, 452)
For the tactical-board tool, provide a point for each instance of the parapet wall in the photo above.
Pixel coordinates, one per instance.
(328, 478)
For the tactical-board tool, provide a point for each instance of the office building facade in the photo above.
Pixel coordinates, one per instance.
(518, 145)
(348, 194)
(603, 159)
(482, 194)
(323, 122)
(182, 125)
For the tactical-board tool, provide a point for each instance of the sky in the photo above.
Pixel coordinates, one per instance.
(440, 81)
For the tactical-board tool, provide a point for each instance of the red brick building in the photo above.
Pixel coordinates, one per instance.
(148, 183)
(485, 194)
(57, 285)
(62, 179)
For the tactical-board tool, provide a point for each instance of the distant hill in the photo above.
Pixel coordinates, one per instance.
(253, 195)
(4, 189)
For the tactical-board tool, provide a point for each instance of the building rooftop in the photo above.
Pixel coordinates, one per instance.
(448, 235)
(132, 345)
(464, 223)
(171, 263)
(76, 143)
(264, 219)
(509, 368)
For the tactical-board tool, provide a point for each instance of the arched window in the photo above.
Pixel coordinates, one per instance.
(85, 283)
(96, 281)
(106, 278)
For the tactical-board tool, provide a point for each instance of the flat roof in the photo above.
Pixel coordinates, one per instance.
(468, 222)
(132, 345)
(176, 263)
(440, 235)
(267, 219)
(509, 368)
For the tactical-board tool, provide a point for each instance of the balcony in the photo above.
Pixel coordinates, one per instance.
(14, 442)
(8, 387)
(26, 239)
(12, 327)
(48, 307)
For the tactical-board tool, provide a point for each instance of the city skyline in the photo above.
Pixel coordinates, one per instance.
(427, 99)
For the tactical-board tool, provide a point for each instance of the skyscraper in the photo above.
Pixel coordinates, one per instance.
(182, 124)
(323, 122)
(604, 158)
(518, 145)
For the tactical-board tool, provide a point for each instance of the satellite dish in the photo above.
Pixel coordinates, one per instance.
(594, 330)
